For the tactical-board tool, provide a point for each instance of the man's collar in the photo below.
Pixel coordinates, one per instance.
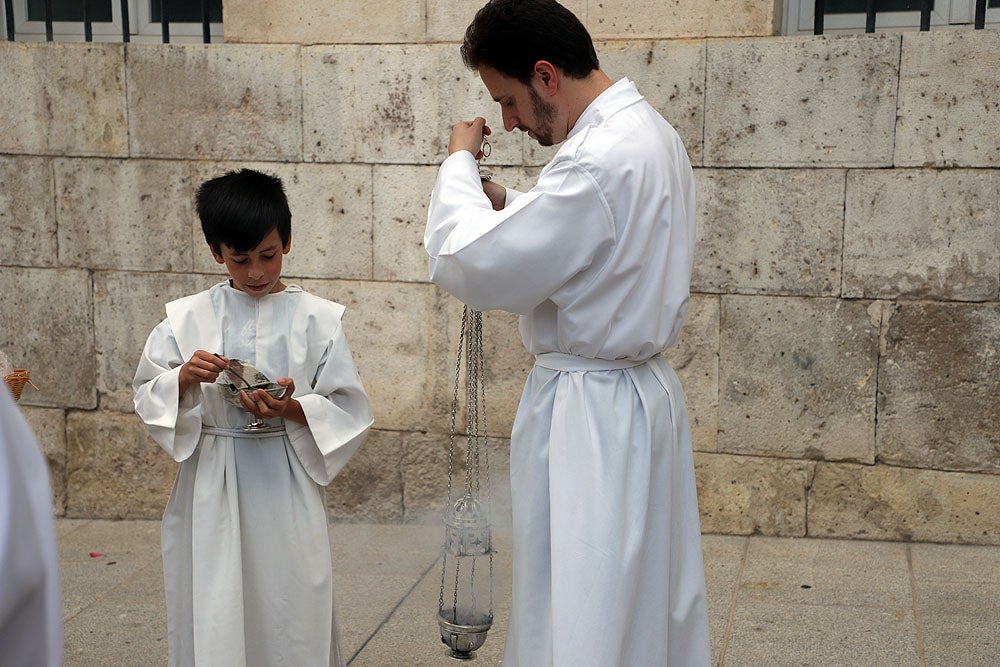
(621, 94)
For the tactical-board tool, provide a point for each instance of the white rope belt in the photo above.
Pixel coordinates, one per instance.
(269, 432)
(558, 361)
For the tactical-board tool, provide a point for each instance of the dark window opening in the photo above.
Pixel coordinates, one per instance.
(71, 10)
(861, 6)
(186, 11)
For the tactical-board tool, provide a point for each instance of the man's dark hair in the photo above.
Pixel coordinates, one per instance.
(512, 35)
(240, 208)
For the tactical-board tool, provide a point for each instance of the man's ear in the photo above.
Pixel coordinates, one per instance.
(547, 76)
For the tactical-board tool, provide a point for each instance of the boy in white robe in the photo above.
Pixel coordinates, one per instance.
(596, 259)
(246, 552)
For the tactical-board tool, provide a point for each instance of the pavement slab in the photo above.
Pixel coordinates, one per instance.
(772, 601)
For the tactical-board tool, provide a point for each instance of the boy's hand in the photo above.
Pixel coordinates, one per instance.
(266, 406)
(201, 367)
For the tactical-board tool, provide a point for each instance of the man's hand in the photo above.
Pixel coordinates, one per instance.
(201, 367)
(468, 136)
(262, 404)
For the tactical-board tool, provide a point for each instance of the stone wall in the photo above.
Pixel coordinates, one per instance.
(840, 356)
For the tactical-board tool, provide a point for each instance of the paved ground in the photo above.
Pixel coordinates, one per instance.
(771, 601)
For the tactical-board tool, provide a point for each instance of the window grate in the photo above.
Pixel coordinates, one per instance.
(870, 8)
(88, 12)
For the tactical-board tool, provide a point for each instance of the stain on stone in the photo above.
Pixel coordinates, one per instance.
(398, 113)
(804, 361)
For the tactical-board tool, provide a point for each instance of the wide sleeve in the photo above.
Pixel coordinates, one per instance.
(31, 627)
(338, 414)
(516, 258)
(174, 424)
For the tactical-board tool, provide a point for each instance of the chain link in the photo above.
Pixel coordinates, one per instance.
(470, 345)
(451, 447)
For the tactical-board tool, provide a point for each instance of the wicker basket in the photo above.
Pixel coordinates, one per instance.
(16, 381)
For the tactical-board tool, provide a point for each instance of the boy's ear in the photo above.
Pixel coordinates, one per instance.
(217, 256)
(288, 246)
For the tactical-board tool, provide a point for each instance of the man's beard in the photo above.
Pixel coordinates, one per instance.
(544, 113)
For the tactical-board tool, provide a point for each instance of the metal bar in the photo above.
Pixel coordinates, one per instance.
(925, 16)
(48, 20)
(206, 33)
(870, 16)
(818, 17)
(8, 12)
(980, 14)
(125, 26)
(165, 21)
(88, 28)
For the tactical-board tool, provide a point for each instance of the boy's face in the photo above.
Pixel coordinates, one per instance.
(258, 271)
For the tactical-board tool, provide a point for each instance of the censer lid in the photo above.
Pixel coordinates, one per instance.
(468, 510)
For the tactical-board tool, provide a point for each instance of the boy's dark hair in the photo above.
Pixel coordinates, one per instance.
(241, 207)
(512, 35)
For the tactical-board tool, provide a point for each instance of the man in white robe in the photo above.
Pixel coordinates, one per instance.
(596, 259)
(31, 625)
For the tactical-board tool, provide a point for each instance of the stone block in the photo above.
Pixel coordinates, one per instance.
(215, 101)
(949, 99)
(49, 427)
(797, 377)
(939, 387)
(114, 469)
(769, 231)
(744, 495)
(401, 198)
(370, 487)
(26, 213)
(671, 76)
(448, 19)
(801, 101)
(323, 22)
(425, 477)
(126, 308)
(922, 234)
(885, 503)
(124, 214)
(398, 336)
(48, 328)
(63, 99)
(331, 219)
(391, 104)
(695, 358)
(627, 19)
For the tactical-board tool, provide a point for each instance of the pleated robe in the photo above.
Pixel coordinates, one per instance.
(596, 259)
(246, 551)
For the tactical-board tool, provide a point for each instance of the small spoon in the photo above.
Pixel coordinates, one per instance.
(231, 372)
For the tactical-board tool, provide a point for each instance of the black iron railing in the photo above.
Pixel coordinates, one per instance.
(871, 8)
(88, 29)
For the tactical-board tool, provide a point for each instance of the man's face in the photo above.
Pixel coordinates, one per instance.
(522, 107)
